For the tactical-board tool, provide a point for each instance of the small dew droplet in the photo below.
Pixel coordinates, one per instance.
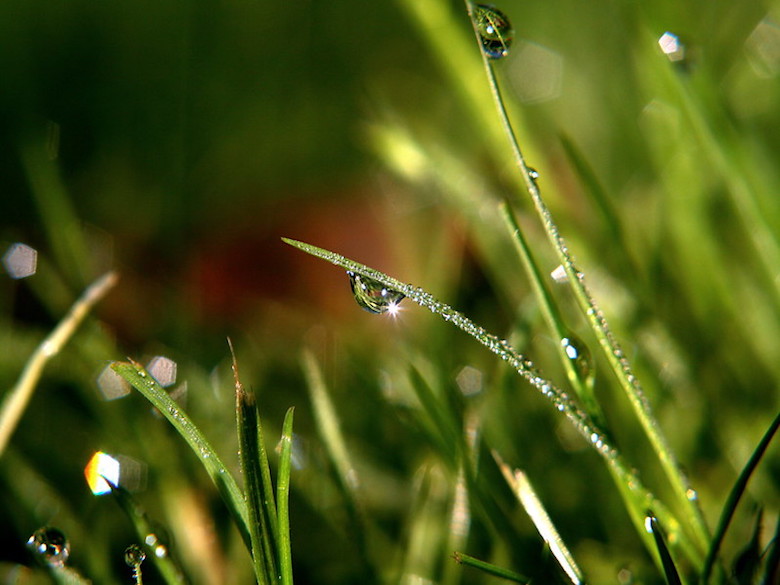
(495, 31)
(372, 295)
(134, 555)
(51, 546)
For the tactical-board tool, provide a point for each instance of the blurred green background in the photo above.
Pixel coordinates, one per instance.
(178, 141)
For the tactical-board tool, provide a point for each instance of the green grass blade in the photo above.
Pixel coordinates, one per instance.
(632, 489)
(595, 317)
(283, 500)
(733, 499)
(249, 458)
(145, 528)
(670, 570)
(526, 495)
(329, 429)
(62, 224)
(489, 568)
(581, 382)
(142, 381)
(16, 400)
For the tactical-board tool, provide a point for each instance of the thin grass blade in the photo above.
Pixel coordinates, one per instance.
(595, 317)
(734, 496)
(142, 381)
(263, 550)
(283, 500)
(670, 570)
(16, 400)
(526, 495)
(489, 568)
(149, 533)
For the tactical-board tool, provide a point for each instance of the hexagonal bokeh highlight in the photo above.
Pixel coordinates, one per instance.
(671, 46)
(111, 385)
(469, 380)
(163, 370)
(120, 470)
(763, 48)
(535, 72)
(20, 260)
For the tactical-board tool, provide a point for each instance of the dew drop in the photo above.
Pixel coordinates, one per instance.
(691, 494)
(372, 295)
(134, 555)
(495, 31)
(51, 546)
(578, 354)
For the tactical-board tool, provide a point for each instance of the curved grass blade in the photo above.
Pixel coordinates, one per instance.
(630, 484)
(734, 496)
(670, 570)
(283, 500)
(595, 317)
(16, 400)
(142, 381)
(489, 568)
(249, 441)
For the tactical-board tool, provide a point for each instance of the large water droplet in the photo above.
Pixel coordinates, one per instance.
(579, 355)
(372, 295)
(51, 546)
(134, 555)
(495, 31)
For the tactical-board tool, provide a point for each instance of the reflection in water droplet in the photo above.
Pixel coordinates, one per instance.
(51, 546)
(533, 174)
(692, 495)
(372, 295)
(579, 355)
(495, 31)
(134, 555)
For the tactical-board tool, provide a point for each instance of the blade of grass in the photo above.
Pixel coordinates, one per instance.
(595, 317)
(60, 220)
(553, 318)
(329, 429)
(526, 495)
(670, 570)
(630, 483)
(283, 500)
(16, 400)
(733, 499)
(144, 528)
(489, 568)
(142, 381)
(249, 457)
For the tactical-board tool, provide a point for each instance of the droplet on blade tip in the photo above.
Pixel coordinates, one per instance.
(495, 31)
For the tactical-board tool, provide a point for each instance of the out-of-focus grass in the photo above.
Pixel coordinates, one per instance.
(191, 136)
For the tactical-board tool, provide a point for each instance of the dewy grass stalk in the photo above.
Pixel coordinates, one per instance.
(637, 495)
(595, 317)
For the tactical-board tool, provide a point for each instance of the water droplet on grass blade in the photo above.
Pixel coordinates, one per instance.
(134, 555)
(579, 355)
(495, 31)
(372, 295)
(51, 546)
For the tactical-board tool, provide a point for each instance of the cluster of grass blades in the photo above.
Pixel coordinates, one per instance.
(468, 485)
